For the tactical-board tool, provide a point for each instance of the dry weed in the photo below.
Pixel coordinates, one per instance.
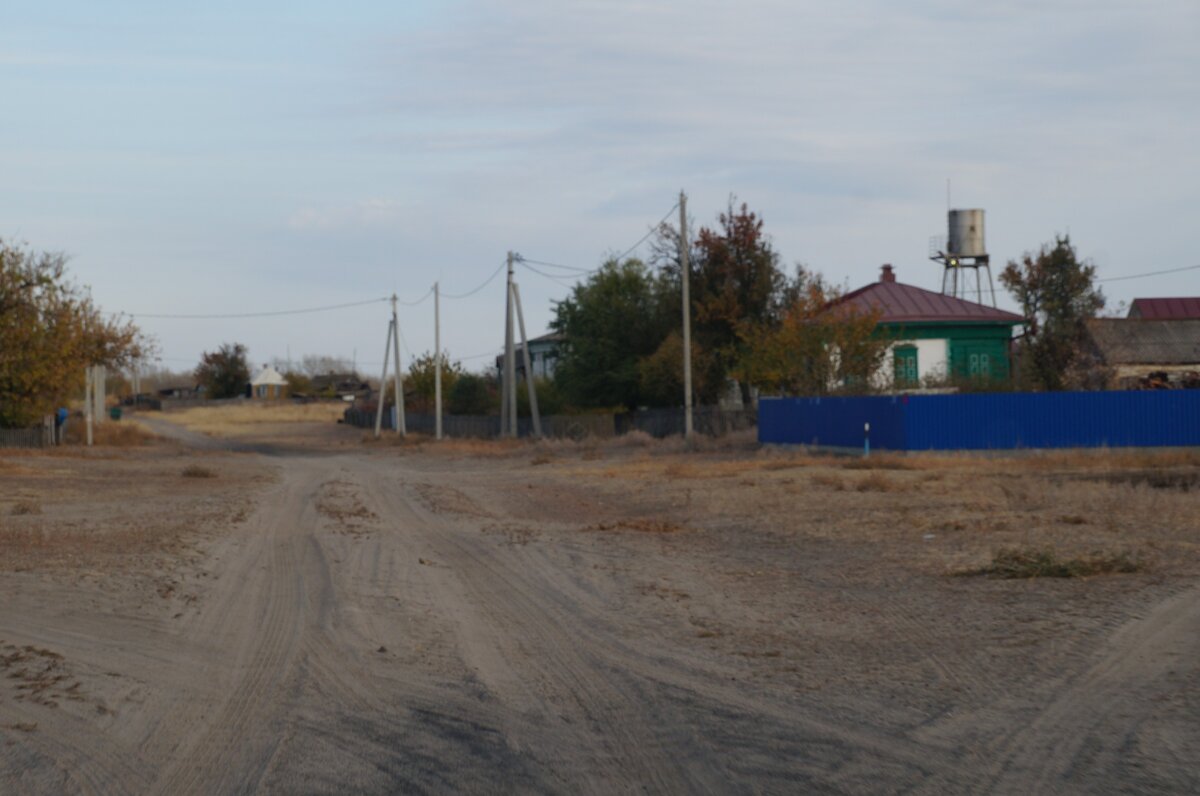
(1011, 563)
(26, 507)
(229, 418)
(643, 525)
(198, 471)
(876, 482)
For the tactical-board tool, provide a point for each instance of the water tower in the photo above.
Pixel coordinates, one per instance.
(961, 249)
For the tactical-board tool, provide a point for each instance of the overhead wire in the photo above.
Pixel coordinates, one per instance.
(269, 314)
(484, 284)
(1150, 273)
(618, 258)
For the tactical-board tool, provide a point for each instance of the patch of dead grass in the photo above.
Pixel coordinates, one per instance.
(234, 419)
(198, 471)
(638, 524)
(1027, 562)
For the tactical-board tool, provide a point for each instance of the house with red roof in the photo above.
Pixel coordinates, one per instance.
(935, 336)
(1165, 309)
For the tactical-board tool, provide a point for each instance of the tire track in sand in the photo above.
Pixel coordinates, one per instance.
(1099, 709)
(257, 621)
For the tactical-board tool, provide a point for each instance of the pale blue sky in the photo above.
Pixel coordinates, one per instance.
(228, 159)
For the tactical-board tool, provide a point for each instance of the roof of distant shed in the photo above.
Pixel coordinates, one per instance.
(900, 303)
(1162, 309)
(1129, 341)
(268, 376)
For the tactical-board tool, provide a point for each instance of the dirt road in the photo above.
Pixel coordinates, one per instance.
(376, 623)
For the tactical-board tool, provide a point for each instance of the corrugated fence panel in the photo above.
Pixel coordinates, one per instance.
(990, 421)
(835, 422)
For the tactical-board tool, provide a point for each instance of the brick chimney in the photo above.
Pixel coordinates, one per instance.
(886, 274)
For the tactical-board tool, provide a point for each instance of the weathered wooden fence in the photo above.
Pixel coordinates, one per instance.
(37, 437)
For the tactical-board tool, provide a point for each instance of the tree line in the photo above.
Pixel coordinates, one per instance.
(755, 324)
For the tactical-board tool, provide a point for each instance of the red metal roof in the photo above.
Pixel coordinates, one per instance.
(900, 303)
(1165, 309)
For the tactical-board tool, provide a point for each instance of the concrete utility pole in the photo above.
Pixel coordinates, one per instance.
(88, 401)
(509, 402)
(401, 429)
(685, 274)
(533, 407)
(437, 362)
(383, 381)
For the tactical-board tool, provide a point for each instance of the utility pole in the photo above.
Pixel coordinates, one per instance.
(383, 381)
(437, 362)
(509, 402)
(533, 407)
(401, 429)
(89, 400)
(685, 276)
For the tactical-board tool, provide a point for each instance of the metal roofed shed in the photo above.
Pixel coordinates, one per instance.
(1147, 354)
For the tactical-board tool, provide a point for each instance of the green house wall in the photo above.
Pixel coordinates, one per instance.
(965, 339)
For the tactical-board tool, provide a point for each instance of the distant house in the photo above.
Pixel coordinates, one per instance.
(1147, 354)
(935, 336)
(268, 383)
(1165, 309)
(543, 356)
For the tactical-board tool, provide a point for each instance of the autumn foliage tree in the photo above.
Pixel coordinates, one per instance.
(819, 345)
(50, 331)
(1058, 294)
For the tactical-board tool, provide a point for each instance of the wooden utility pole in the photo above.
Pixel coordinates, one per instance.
(527, 361)
(509, 401)
(685, 274)
(437, 362)
(401, 429)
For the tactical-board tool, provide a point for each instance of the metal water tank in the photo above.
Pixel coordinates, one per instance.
(966, 234)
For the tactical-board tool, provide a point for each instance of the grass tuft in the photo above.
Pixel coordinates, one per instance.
(198, 471)
(1012, 563)
(26, 507)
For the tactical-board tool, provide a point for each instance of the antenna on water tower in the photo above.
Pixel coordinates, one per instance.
(963, 248)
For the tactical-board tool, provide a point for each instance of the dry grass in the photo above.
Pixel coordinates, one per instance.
(125, 433)
(639, 524)
(24, 507)
(1012, 563)
(234, 419)
(198, 471)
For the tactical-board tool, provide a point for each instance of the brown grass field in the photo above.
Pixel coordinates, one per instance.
(598, 615)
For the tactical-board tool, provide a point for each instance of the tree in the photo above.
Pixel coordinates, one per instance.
(224, 373)
(50, 331)
(819, 345)
(608, 324)
(421, 378)
(473, 394)
(1057, 292)
(736, 279)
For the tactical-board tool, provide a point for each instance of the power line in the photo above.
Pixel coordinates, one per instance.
(1150, 273)
(421, 300)
(272, 314)
(649, 232)
(618, 258)
(485, 283)
(560, 280)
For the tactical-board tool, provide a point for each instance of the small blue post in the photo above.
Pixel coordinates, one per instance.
(866, 440)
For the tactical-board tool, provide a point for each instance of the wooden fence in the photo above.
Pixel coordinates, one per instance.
(37, 437)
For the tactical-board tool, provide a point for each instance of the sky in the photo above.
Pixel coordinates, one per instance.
(257, 157)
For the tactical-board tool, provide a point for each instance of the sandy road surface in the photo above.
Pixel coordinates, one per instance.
(370, 626)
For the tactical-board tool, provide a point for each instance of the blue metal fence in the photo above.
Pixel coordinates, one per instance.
(987, 421)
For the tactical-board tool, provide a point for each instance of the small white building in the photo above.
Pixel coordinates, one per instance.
(268, 383)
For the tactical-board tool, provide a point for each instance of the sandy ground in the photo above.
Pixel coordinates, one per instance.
(296, 610)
